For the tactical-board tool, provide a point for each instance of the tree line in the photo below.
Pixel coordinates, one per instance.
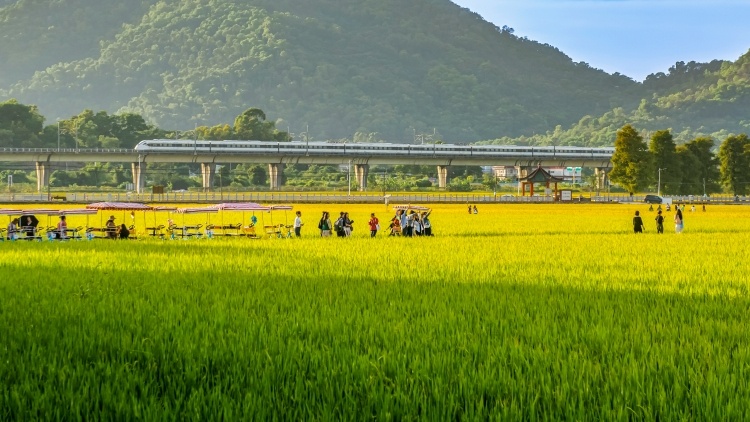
(693, 167)
(689, 168)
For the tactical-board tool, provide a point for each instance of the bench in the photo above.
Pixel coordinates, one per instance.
(104, 232)
(236, 228)
(184, 231)
(70, 233)
(60, 197)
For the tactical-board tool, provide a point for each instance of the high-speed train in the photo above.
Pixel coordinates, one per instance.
(366, 149)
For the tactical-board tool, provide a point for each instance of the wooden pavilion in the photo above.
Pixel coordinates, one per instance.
(539, 175)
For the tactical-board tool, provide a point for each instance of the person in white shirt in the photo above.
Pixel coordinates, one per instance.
(298, 224)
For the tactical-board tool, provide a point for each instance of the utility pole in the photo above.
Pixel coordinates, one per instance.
(658, 186)
(349, 178)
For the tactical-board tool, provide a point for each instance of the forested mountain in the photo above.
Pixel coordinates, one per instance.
(339, 66)
(694, 100)
(36, 34)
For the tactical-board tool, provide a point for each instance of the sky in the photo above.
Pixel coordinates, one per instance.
(633, 37)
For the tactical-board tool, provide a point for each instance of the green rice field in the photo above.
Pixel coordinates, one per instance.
(521, 312)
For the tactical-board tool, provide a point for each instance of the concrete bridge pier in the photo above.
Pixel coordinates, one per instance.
(361, 171)
(42, 176)
(442, 176)
(276, 175)
(208, 172)
(601, 178)
(138, 181)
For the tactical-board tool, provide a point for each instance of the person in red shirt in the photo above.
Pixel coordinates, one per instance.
(374, 225)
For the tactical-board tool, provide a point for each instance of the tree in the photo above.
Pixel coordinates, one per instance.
(632, 162)
(258, 175)
(690, 165)
(735, 166)
(251, 125)
(20, 125)
(663, 149)
(708, 170)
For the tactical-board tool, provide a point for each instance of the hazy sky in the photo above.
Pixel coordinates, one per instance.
(633, 37)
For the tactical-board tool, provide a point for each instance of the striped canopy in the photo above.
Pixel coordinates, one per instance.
(281, 207)
(240, 206)
(163, 208)
(410, 207)
(203, 210)
(119, 206)
(77, 211)
(27, 212)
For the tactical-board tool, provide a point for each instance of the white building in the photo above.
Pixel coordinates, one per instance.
(505, 172)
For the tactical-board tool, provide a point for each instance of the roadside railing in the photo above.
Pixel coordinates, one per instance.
(334, 197)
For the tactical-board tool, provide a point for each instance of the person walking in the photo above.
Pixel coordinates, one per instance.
(679, 223)
(426, 223)
(401, 214)
(637, 223)
(409, 229)
(374, 225)
(325, 225)
(298, 224)
(659, 222)
(395, 227)
(338, 226)
(348, 225)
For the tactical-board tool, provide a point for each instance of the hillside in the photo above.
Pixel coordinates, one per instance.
(36, 34)
(341, 66)
(693, 100)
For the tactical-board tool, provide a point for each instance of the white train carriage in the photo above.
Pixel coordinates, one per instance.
(369, 149)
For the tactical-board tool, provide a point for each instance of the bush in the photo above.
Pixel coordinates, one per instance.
(424, 183)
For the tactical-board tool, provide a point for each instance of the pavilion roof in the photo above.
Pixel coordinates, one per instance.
(540, 175)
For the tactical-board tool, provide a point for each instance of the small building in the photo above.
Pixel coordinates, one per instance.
(505, 172)
(539, 175)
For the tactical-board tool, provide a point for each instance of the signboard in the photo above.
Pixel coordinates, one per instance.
(566, 195)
